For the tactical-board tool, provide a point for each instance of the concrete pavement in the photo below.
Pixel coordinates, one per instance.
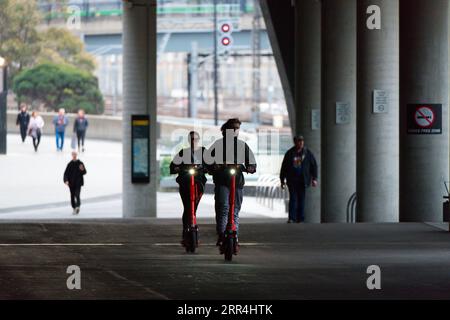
(33, 178)
(142, 259)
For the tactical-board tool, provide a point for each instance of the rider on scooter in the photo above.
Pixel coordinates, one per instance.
(186, 159)
(228, 150)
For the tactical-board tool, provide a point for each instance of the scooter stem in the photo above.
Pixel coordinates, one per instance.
(192, 189)
(232, 201)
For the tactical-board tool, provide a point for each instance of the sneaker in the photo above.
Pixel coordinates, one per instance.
(290, 221)
(219, 242)
(77, 210)
(74, 212)
(222, 248)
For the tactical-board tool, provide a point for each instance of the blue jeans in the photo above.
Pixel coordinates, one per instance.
(297, 194)
(59, 140)
(221, 197)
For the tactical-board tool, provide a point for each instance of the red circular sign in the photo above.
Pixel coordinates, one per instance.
(225, 27)
(226, 41)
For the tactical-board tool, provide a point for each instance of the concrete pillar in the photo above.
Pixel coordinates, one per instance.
(377, 125)
(139, 45)
(307, 88)
(338, 107)
(279, 17)
(424, 158)
(3, 105)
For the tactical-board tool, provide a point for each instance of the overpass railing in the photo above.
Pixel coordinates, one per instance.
(114, 8)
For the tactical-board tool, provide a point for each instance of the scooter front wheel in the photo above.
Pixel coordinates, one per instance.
(191, 241)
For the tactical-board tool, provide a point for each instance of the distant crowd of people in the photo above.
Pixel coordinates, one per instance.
(33, 126)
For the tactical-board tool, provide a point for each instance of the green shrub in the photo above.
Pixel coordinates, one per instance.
(165, 167)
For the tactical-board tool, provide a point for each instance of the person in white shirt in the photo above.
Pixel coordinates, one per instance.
(35, 129)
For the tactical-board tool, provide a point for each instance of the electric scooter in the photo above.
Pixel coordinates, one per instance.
(230, 241)
(191, 233)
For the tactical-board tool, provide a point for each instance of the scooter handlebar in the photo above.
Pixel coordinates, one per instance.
(238, 167)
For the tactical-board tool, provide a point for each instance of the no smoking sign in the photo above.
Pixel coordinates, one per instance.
(424, 119)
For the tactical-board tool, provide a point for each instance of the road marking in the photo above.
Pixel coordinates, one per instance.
(93, 200)
(137, 284)
(60, 244)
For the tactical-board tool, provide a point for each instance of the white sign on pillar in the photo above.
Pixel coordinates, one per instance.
(343, 113)
(380, 103)
(315, 119)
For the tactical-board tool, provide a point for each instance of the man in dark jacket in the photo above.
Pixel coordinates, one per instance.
(73, 178)
(23, 119)
(299, 168)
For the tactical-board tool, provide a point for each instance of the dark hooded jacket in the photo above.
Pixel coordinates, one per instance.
(183, 174)
(237, 153)
(73, 174)
(309, 169)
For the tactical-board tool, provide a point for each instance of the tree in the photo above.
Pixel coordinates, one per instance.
(19, 39)
(61, 46)
(57, 86)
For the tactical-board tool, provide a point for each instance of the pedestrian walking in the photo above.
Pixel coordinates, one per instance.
(299, 171)
(79, 128)
(23, 120)
(74, 179)
(60, 122)
(35, 127)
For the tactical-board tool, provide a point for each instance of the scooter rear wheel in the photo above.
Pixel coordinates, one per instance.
(229, 243)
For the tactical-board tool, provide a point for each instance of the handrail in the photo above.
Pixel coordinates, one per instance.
(268, 190)
(351, 208)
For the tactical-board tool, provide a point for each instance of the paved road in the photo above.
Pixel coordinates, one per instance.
(141, 259)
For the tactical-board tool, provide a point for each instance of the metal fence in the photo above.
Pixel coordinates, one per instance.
(268, 192)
